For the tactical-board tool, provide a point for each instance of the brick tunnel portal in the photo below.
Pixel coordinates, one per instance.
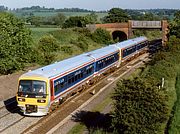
(119, 36)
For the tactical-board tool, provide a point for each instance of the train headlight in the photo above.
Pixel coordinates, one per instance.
(41, 101)
(21, 99)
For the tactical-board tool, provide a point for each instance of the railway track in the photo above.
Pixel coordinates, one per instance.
(12, 121)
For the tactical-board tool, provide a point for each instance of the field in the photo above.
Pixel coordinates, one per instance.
(37, 33)
(67, 14)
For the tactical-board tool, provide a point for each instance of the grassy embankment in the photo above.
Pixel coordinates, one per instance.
(175, 121)
(67, 38)
(166, 65)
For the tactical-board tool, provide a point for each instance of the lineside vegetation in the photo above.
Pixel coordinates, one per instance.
(142, 105)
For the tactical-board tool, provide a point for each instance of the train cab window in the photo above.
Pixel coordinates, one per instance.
(34, 87)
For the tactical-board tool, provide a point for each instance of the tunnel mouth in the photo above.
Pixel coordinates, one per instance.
(119, 36)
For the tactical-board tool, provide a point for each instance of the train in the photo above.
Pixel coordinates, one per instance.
(40, 90)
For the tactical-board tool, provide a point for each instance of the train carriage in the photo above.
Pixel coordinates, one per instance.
(40, 89)
(131, 47)
(56, 80)
(105, 58)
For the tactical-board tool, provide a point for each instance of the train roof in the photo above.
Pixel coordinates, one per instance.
(60, 67)
(130, 42)
(99, 53)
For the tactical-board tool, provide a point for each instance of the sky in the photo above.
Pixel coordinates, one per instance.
(94, 4)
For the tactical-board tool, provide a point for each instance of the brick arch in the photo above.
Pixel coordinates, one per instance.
(119, 35)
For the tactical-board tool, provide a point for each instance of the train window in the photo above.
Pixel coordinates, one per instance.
(69, 81)
(81, 75)
(62, 84)
(72, 79)
(76, 77)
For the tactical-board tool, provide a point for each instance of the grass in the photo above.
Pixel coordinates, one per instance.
(175, 124)
(37, 33)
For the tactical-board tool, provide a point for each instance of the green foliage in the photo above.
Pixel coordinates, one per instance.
(101, 36)
(175, 120)
(140, 107)
(75, 21)
(47, 45)
(81, 42)
(151, 34)
(83, 31)
(116, 15)
(15, 45)
(175, 25)
(35, 20)
(59, 19)
(67, 49)
(91, 18)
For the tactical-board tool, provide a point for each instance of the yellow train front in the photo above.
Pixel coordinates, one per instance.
(33, 95)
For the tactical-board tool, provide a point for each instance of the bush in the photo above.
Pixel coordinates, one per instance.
(67, 49)
(75, 21)
(83, 31)
(140, 107)
(47, 46)
(101, 36)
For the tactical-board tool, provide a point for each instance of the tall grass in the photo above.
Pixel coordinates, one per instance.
(175, 120)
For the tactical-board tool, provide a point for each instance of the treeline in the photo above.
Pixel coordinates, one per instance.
(159, 13)
(114, 15)
(60, 20)
(44, 9)
(134, 14)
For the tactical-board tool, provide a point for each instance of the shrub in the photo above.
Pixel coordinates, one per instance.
(101, 36)
(75, 21)
(47, 46)
(139, 107)
(67, 49)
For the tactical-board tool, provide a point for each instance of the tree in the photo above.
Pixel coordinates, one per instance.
(91, 18)
(116, 15)
(149, 17)
(59, 19)
(139, 107)
(15, 45)
(75, 21)
(101, 36)
(175, 25)
(35, 20)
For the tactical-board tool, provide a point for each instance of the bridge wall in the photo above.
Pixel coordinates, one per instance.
(128, 27)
